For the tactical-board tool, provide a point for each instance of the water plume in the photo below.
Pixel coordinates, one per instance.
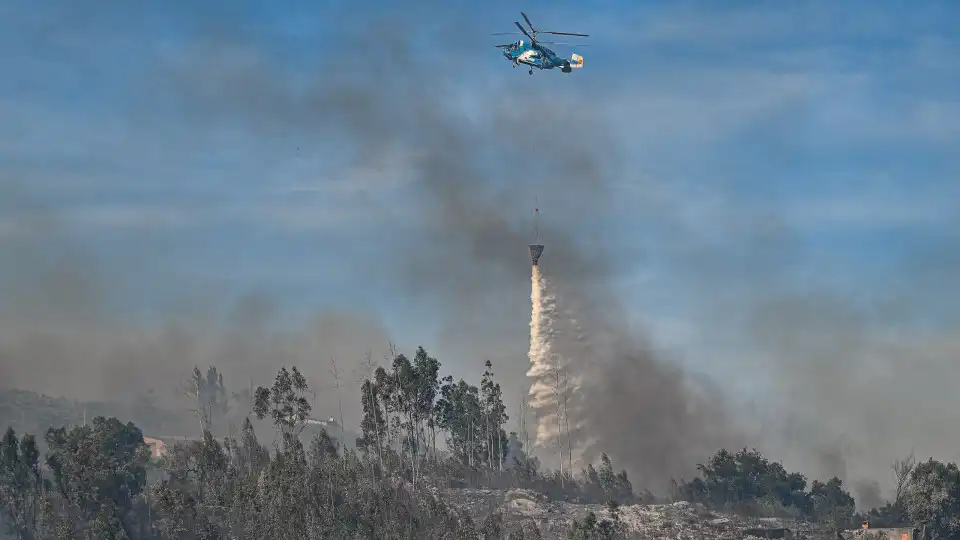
(551, 380)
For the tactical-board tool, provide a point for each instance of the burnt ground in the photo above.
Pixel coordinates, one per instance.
(675, 521)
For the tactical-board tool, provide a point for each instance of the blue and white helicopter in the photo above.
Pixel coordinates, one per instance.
(535, 55)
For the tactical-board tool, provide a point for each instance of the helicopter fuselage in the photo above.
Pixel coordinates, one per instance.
(535, 56)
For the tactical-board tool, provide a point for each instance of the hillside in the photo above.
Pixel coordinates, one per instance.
(676, 521)
(30, 412)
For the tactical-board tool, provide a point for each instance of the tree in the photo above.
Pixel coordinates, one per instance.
(413, 389)
(523, 432)
(460, 413)
(21, 486)
(566, 421)
(99, 471)
(427, 375)
(557, 393)
(608, 479)
(590, 528)
(523, 468)
(249, 455)
(614, 486)
(285, 403)
(901, 474)
(197, 484)
(373, 426)
(210, 396)
(335, 373)
(605, 485)
(831, 503)
(932, 498)
(495, 417)
(744, 479)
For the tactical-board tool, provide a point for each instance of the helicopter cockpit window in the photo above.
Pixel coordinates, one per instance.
(519, 43)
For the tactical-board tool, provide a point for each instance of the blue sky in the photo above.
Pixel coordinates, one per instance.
(764, 148)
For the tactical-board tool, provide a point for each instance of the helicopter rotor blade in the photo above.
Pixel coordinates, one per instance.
(530, 24)
(504, 46)
(505, 34)
(564, 34)
(523, 30)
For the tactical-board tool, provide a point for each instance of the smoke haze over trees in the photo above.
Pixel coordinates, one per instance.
(99, 480)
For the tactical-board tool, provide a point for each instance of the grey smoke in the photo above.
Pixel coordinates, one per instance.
(60, 336)
(475, 179)
(868, 494)
(65, 348)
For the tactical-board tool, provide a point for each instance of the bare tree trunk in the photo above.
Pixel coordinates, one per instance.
(343, 433)
(522, 421)
(499, 452)
(556, 393)
(487, 442)
(343, 436)
(199, 413)
(415, 450)
(566, 419)
(375, 404)
(901, 471)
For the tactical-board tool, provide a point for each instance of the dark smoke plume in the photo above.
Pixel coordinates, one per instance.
(474, 177)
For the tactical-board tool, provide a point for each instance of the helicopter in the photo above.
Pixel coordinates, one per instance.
(533, 54)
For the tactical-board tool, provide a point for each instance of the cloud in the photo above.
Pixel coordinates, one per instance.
(129, 217)
(797, 24)
(383, 174)
(301, 217)
(701, 107)
(935, 121)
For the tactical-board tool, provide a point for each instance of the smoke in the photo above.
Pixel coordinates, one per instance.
(854, 392)
(114, 360)
(612, 393)
(868, 494)
(65, 328)
(847, 376)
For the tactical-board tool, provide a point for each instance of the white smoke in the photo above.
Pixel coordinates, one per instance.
(551, 380)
